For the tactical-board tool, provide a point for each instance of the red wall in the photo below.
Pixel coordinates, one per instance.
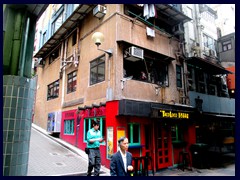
(231, 78)
(71, 114)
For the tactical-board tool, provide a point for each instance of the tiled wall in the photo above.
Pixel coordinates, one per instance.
(18, 102)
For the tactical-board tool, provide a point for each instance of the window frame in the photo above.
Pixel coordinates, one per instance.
(71, 87)
(58, 14)
(100, 61)
(131, 134)
(89, 125)
(178, 132)
(74, 37)
(206, 42)
(179, 73)
(53, 56)
(72, 126)
(225, 45)
(55, 92)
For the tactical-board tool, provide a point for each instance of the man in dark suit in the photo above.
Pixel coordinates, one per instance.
(121, 161)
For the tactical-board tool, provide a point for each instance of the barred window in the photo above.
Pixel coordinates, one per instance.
(97, 70)
(72, 82)
(69, 126)
(179, 76)
(227, 45)
(53, 90)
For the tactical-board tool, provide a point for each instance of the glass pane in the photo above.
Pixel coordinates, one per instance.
(101, 72)
(93, 78)
(136, 133)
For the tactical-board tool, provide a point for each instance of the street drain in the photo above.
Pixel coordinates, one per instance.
(54, 154)
(59, 164)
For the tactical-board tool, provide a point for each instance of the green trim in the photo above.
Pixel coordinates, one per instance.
(148, 23)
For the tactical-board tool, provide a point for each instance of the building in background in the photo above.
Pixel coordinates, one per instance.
(225, 18)
(145, 79)
(207, 77)
(226, 52)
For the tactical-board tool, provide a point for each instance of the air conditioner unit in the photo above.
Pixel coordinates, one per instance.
(134, 54)
(211, 52)
(99, 11)
(206, 51)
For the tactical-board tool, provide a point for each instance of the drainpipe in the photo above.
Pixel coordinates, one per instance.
(198, 27)
(23, 59)
(64, 55)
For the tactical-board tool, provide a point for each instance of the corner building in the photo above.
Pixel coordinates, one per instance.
(135, 83)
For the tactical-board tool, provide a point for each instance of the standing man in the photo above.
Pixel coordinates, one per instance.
(121, 161)
(94, 138)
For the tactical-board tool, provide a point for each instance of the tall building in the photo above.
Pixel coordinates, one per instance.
(125, 64)
(207, 77)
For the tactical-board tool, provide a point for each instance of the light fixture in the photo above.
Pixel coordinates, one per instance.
(98, 39)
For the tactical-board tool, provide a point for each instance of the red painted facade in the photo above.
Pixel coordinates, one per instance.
(149, 128)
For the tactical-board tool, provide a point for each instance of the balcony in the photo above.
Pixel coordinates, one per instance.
(214, 104)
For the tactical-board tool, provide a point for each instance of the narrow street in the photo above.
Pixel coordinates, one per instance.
(49, 158)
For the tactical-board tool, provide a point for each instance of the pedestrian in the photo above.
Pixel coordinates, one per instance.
(121, 161)
(94, 138)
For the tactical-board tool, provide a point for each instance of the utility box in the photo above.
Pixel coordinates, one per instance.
(54, 122)
(200, 157)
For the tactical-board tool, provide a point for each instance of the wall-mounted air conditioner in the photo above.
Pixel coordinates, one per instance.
(134, 54)
(206, 51)
(99, 11)
(212, 53)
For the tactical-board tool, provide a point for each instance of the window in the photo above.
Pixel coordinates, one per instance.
(53, 90)
(44, 38)
(74, 38)
(177, 133)
(208, 42)
(57, 22)
(191, 79)
(157, 71)
(227, 45)
(97, 70)
(179, 76)
(201, 82)
(72, 82)
(88, 125)
(69, 126)
(134, 134)
(54, 56)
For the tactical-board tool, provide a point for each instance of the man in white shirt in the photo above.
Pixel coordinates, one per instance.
(121, 161)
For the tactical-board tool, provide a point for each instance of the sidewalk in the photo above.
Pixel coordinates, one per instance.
(104, 171)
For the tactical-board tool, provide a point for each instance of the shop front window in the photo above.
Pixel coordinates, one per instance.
(88, 124)
(69, 126)
(134, 134)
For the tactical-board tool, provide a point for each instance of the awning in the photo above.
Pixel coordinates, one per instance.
(65, 28)
(207, 65)
(148, 52)
(174, 15)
